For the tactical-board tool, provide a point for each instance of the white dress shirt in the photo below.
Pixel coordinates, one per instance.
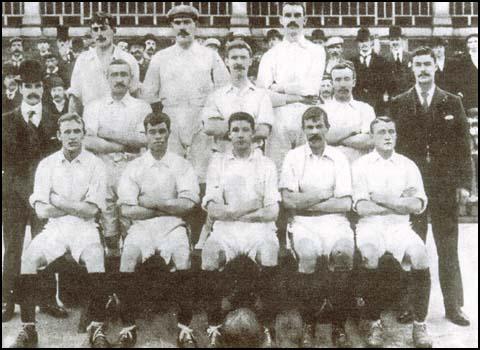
(430, 93)
(37, 109)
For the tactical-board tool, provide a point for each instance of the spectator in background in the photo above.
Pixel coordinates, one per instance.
(326, 89)
(122, 45)
(214, 44)
(150, 46)
(77, 47)
(57, 102)
(137, 49)
(334, 46)
(468, 73)
(273, 38)
(318, 37)
(444, 76)
(399, 64)
(43, 47)
(64, 45)
(473, 122)
(52, 69)
(88, 41)
(16, 53)
(11, 97)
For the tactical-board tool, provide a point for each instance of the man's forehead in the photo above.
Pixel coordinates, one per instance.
(422, 58)
(341, 72)
(160, 126)
(182, 19)
(384, 125)
(291, 8)
(70, 124)
(239, 51)
(240, 123)
(119, 67)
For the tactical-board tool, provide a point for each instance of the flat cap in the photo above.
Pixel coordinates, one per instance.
(15, 39)
(334, 40)
(212, 41)
(182, 11)
(395, 32)
(55, 81)
(363, 34)
(318, 34)
(149, 36)
(238, 43)
(30, 71)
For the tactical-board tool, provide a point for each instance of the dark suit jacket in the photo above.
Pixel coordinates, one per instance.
(446, 79)
(53, 111)
(22, 149)
(371, 81)
(467, 79)
(9, 105)
(400, 76)
(444, 129)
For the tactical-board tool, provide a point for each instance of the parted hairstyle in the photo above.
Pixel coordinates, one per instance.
(238, 44)
(384, 119)
(315, 113)
(343, 65)
(422, 51)
(119, 62)
(238, 116)
(156, 118)
(69, 117)
(294, 3)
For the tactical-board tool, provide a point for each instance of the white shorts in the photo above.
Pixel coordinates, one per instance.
(147, 235)
(243, 238)
(391, 238)
(65, 234)
(323, 231)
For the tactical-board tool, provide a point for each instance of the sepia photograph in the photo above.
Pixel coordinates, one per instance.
(240, 174)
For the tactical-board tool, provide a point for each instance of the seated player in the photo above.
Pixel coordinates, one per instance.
(155, 191)
(242, 198)
(388, 187)
(316, 186)
(70, 189)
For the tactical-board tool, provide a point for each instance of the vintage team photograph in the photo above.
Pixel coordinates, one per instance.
(239, 174)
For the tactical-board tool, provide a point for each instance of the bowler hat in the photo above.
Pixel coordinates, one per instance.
(30, 71)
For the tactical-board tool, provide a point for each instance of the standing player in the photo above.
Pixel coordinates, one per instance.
(115, 134)
(242, 197)
(69, 191)
(293, 69)
(388, 188)
(316, 187)
(349, 119)
(181, 77)
(89, 77)
(155, 191)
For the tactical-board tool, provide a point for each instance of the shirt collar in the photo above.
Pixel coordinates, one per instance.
(230, 87)
(302, 41)
(117, 53)
(327, 152)
(11, 94)
(25, 107)
(150, 161)
(81, 158)
(341, 103)
(254, 154)
(430, 92)
(55, 70)
(61, 104)
(377, 157)
(124, 101)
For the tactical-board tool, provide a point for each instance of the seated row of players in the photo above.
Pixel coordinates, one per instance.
(242, 198)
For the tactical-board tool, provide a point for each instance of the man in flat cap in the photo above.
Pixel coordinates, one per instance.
(181, 77)
(273, 37)
(213, 43)
(334, 47)
(137, 49)
(399, 62)
(89, 77)
(11, 97)
(57, 99)
(28, 135)
(52, 68)
(372, 74)
(16, 52)
(318, 37)
(43, 49)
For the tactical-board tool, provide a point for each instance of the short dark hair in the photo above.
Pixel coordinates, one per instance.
(120, 62)
(239, 116)
(238, 44)
(422, 51)
(344, 65)
(103, 18)
(69, 117)
(314, 113)
(382, 119)
(242, 329)
(156, 118)
(474, 35)
(294, 3)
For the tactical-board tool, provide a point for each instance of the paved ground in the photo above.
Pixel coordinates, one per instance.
(161, 330)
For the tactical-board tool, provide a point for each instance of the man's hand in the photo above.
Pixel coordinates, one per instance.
(378, 197)
(409, 192)
(55, 199)
(147, 201)
(105, 133)
(462, 196)
(310, 100)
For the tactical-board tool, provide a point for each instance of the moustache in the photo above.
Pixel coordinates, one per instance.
(183, 32)
(120, 85)
(33, 95)
(293, 25)
(101, 38)
(343, 90)
(424, 74)
(238, 66)
(315, 137)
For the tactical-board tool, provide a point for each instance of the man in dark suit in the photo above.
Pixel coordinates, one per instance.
(57, 102)
(137, 49)
(432, 131)
(28, 135)
(445, 75)
(468, 73)
(372, 75)
(11, 97)
(16, 52)
(399, 64)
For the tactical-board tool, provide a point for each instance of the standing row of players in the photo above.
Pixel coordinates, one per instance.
(182, 76)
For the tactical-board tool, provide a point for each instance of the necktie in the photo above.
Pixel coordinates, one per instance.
(425, 101)
(31, 124)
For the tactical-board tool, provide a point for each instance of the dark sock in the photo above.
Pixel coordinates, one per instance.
(420, 279)
(97, 296)
(27, 288)
(47, 288)
(269, 291)
(212, 293)
(183, 280)
(341, 296)
(127, 294)
(305, 293)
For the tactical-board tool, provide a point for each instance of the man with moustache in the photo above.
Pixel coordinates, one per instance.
(57, 101)
(52, 69)
(151, 43)
(433, 132)
(115, 134)
(43, 49)
(316, 186)
(372, 73)
(242, 198)
(16, 53)
(28, 135)
(137, 49)
(334, 47)
(326, 89)
(11, 97)
(349, 118)
(156, 191)
(69, 191)
(181, 77)
(293, 70)
(388, 187)
(89, 78)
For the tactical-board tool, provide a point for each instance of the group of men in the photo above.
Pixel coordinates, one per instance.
(195, 152)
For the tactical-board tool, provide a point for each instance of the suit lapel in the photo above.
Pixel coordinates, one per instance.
(438, 96)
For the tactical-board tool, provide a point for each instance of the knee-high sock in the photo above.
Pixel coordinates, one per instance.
(420, 279)
(26, 295)
(341, 295)
(304, 291)
(97, 296)
(184, 295)
(128, 294)
(47, 288)
(270, 292)
(209, 284)
(369, 286)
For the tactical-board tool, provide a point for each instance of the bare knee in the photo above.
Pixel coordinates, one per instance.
(211, 255)
(131, 257)
(181, 257)
(370, 255)
(32, 261)
(93, 258)
(267, 254)
(418, 256)
(307, 255)
(341, 256)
